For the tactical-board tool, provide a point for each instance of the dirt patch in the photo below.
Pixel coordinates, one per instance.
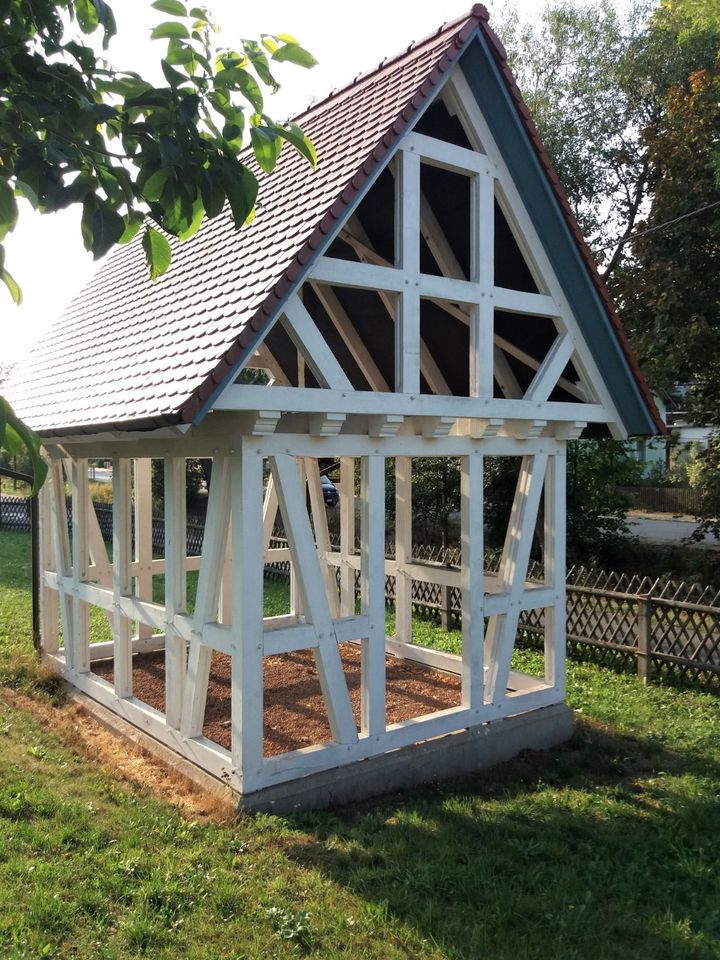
(120, 758)
(294, 713)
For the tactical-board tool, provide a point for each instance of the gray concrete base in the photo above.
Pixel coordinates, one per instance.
(453, 754)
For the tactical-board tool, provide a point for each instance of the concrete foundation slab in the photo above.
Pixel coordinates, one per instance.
(453, 754)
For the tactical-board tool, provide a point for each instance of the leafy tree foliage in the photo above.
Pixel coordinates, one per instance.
(75, 130)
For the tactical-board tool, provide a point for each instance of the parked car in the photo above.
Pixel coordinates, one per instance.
(330, 494)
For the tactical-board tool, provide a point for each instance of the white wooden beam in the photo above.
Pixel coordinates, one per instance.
(554, 570)
(240, 396)
(472, 578)
(314, 598)
(574, 389)
(351, 338)
(80, 637)
(403, 549)
(372, 594)
(61, 544)
(428, 367)
(502, 628)
(347, 535)
(247, 615)
(549, 371)
(175, 586)
(440, 153)
(532, 304)
(206, 601)
(322, 533)
(407, 326)
(122, 537)
(49, 611)
(304, 333)
(143, 533)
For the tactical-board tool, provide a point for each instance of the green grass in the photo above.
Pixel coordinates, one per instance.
(604, 848)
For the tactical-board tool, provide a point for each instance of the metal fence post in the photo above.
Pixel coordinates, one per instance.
(644, 647)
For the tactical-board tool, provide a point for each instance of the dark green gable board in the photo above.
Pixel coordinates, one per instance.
(542, 206)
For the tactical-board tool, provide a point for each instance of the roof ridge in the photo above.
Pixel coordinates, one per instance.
(477, 13)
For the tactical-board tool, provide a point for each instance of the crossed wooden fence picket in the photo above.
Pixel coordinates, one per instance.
(662, 628)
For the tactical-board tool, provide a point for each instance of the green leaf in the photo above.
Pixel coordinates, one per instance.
(153, 187)
(294, 53)
(87, 15)
(241, 188)
(237, 78)
(199, 12)
(8, 209)
(18, 435)
(180, 53)
(11, 284)
(107, 228)
(157, 252)
(133, 222)
(197, 219)
(173, 77)
(266, 147)
(173, 7)
(170, 30)
(294, 135)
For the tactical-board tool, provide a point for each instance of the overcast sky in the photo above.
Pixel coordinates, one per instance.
(46, 255)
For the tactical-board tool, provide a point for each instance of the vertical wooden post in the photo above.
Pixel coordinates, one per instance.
(296, 598)
(644, 639)
(446, 617)
(208, 595)
(347, 536)
(80, 642)
(372, 592)
(407, 327)
(554, 569)
(246, 491)
(472, 577)
(175, 586)
(143, 536)
(122, 539)
(403, 549)
(49, 611)
(322, 532)
(482, 319)
(61, 543)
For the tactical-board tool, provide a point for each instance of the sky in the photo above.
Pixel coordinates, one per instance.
(46, 255)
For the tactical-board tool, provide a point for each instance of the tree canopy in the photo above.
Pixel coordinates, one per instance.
(76, 130)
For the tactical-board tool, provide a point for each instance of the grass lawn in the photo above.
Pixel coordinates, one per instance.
(604, 848)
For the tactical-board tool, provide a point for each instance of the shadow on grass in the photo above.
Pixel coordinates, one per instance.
(604, 848)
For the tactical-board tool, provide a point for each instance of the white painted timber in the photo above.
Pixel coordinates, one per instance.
(247, 615)
(403, 549)
(288, 400)
(80, 637)
(122, 538)
(175, 586)
(372, 594)
(554, 564)
(472, 578)
(440, 153)
(407, 326)
(206, 602)
(351, 338)
(143, 531)
(311, 344)
(548, 373)
(513, 568)
(314, 598)
(347, 535)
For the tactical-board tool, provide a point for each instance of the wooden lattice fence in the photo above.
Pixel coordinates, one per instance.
(662, 628)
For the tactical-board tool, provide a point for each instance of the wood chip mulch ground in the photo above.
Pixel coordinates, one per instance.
(294, 711)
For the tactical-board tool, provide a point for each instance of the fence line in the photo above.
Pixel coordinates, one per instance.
(663, 628)
(663, 499)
